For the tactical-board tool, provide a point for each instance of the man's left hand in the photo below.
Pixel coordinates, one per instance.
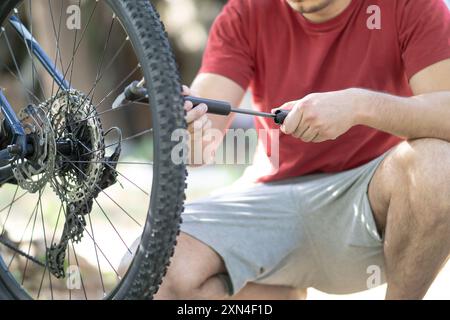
(320, 117)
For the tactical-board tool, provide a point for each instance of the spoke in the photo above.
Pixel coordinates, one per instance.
(68, 248)
(129, 103)
(101, 251)
(56, 225)
(95, 249)
(11, 203)
(4, 181)
(45, 269)
(118, 172)
(51, 242)
(72, 60)
(68, 262)
(126, 139)
(30, 17)
(51, 285)
(16, 65)
(9, 211)
(45, 243)
(125, 80)
(140, 134)
(31, 55)
(32, 235)
(21, 238)
(58, 53)
(116, 55)
(10, 245)
(112, 225)
(96, 256)
(111, 63)
(28, 93)
(103, 191)
(99, 70)
(106, 163)
(109, 162)
(89, 116)
(78, 265)
(73, 51)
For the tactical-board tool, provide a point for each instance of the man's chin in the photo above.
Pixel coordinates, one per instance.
(297, 7)
(307, 6)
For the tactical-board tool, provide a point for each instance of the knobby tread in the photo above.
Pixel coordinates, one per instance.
(159, 238)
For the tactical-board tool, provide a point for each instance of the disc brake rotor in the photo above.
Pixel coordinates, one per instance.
(32, 174)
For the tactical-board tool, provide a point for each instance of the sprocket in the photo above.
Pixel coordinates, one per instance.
(75, 119)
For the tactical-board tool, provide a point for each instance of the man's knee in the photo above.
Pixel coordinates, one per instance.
(417, 172)
(424, 163)
(422, 169)
(191, 266)
(424, 155)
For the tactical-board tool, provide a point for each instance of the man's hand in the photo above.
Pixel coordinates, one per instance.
(193, 114)
(320, 117)
(198, 125)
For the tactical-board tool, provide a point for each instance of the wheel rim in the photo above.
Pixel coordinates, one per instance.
(32, 222)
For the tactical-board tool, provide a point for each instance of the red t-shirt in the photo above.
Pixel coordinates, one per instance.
(282, 56)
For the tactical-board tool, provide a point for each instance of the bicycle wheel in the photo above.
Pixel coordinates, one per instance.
(78, 202)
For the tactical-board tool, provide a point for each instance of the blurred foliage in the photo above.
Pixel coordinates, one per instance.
(188, 23)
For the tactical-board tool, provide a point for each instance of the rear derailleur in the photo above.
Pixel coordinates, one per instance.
(76, 212)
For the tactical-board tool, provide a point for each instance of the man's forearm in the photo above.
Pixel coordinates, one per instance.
(424, 116)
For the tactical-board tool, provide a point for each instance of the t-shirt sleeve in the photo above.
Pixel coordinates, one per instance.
(228, 51)
(424, 34)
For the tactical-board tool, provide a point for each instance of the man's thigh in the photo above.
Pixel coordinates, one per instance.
(253, 228)
(295, 233)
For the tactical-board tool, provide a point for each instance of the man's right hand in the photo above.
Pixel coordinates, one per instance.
(216, 87)
(194, 114)
(198, 125)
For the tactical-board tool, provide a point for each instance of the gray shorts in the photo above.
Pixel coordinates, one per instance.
(313, 231)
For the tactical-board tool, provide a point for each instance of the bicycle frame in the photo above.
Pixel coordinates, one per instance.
(19, 147)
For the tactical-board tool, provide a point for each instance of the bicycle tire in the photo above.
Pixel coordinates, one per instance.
(149, 39)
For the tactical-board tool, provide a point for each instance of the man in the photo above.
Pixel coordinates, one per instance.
(363, 184)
